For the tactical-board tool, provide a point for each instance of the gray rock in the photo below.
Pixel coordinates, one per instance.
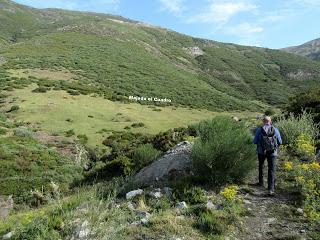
(245, 201)
(168, 191)
(210, 205)
(271, 220)
(145, 217)
(83, 231)
(143, 214)
(156, 193)
(181, 205)
(176, 163)
(7, 236)
(302, 231)
(134, 193)
(235, 119)
(300, 211)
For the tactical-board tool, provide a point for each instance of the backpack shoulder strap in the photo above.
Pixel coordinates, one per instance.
(272, 131)
(263, 132)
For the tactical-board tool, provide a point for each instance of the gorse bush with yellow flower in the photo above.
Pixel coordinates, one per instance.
(306, 177)
(304, 145)
(229, 193)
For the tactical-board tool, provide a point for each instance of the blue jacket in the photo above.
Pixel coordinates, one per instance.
(258, 141)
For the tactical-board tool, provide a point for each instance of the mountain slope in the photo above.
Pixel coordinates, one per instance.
(310, 49)
(118, 57)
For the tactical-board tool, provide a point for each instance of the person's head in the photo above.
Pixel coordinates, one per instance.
(267, 120)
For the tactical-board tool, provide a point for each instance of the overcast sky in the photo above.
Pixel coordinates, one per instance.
(269, 23)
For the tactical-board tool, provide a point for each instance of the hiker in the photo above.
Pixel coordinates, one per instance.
(268, 140)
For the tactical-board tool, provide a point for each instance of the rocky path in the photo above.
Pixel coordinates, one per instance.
(270, 217)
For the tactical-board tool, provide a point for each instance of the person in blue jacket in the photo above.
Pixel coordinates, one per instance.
(268, 139)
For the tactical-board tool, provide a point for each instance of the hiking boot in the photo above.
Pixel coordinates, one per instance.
(271, 193)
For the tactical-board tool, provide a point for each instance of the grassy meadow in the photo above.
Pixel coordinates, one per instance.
(96, 117)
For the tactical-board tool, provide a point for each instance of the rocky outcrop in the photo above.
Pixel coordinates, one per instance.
(300, 75)
(194, 51)
(175, 164)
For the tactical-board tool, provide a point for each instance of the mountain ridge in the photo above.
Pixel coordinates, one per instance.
(310, 49)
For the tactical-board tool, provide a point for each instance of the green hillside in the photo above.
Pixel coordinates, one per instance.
(116, 58)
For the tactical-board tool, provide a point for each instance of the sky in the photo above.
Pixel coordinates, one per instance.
(269, 23)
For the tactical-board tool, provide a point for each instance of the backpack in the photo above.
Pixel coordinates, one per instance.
(269, 140)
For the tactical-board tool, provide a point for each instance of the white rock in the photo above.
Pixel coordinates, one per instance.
(7, 236)
(156, 193)
(133, 194)
(144, 221)
(181, 205)
(300, 211)
(210, 205)
(130, 206)
(271, 220)
(84, 233)
(245, 201)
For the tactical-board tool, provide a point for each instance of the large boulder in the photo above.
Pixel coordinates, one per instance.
(175, 164)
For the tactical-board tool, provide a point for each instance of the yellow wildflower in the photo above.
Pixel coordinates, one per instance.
(311, 184)
(304, 166)
(288, 165)
(300, 179)
(314, 166)
(230, 192)
(305, 144)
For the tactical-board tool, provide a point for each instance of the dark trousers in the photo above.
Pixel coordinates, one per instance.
(271, 170)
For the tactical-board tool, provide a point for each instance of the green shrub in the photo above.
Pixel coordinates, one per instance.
(192, 195)
(121, 165)
(166, 140)
(138, 125)
(307, 101)
(40, 90)
(224, 153)
(292, 127)
(14, 108)
(3, 131)
(73, 92)
(70, 133)
(269, 112)
(83, 139)
(144, 155)
(27, 165)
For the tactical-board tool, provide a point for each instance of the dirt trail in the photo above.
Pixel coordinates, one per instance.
(270, 217)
